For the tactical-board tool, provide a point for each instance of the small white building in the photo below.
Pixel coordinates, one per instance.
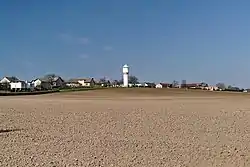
(36, 82)
(139, 85)
(163, 85)
(41, 84)
(87, 82)
(19, 85)
(129, 85)
(158, 85)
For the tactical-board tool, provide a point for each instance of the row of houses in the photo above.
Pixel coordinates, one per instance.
(52, 82)
(201, 85)
(47, 83)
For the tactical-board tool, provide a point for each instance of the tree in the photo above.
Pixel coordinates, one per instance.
(116, 83)
(221, 86)
(103, 80)
(133, 80)
(120, 82)
(175, 84)
(5, 86)
(49, 77)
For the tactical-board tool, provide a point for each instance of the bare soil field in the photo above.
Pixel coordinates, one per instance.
(126, 127)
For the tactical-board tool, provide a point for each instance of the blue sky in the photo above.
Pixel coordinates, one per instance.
(160, 40)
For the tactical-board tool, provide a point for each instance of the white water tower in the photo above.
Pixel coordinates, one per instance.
(125, 71)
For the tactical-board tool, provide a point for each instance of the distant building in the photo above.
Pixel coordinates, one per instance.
(163, 85)
(13, 83)
(48, 83)
(149, 85)
(145, 85)
(9, 80)
(57, 82)
(102, 83)
(41, 84)
(18, 85)
(200, 85)
(81, 82)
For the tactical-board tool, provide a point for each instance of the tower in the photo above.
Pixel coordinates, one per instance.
(125, 71)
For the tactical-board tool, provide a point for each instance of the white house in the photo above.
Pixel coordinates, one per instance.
(9, 80)
(41, 84)
(158, 85)
(162, 85)
(139, 85)
(87, 82)
(130, 85)
(36, 82)
(19, 85)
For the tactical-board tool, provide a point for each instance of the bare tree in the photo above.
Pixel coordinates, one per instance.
(221, 86)
(175, 84)
(103, 80)
(116, 83)
(50, 77)
(133, 80)
(5, 86)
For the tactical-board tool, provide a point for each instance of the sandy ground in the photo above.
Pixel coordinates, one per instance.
(109, 128)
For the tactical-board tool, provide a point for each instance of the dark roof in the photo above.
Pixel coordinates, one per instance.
(46, 79)
(75, 80)
(100, 81)
(193, 84)
(149, 83)
(12, 79)
(88, 79)
(41, 79)
(57, 78)
(165, 84)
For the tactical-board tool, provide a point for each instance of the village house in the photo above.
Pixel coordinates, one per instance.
(163, 85)
(13, 83)
(193, 85)
(9, 80)
(41, 84)
(102, 83)
(139, 85)
(148, 85)
(18, 85)
(57, 82)
(211, 88)
(73, 83)
(201, 85)
(130, 85)
(48, 83)
(81, 82)
(145, 85)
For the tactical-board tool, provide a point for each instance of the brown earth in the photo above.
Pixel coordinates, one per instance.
(126, 127)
